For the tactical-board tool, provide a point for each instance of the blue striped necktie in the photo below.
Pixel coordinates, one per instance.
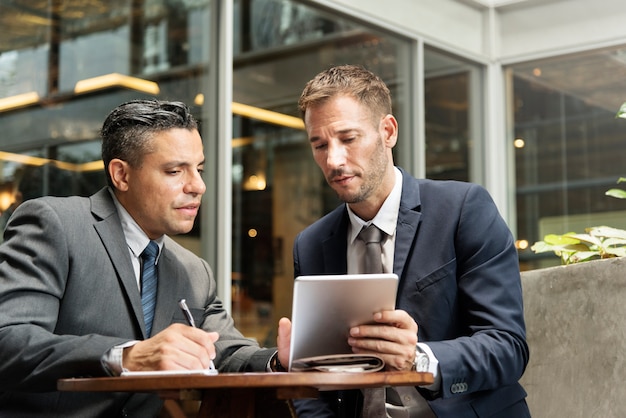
(149, 284)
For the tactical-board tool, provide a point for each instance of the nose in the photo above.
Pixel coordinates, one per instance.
(194, 184)
(336, 155)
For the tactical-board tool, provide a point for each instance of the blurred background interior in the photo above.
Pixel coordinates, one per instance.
(519, 96)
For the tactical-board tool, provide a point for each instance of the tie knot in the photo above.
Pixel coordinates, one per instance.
(151, 251)
(371, 234)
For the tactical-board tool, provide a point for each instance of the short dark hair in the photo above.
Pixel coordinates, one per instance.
(350, 80)
(127, 130)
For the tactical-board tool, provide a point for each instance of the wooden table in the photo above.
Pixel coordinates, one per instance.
(235, 394)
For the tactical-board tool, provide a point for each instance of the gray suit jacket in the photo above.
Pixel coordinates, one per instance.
(459, 280)
(68, 294)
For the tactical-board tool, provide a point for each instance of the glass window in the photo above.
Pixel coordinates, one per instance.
(569, 147)
(449, 128)
(277, 188)
(50, 145)
(49, 47)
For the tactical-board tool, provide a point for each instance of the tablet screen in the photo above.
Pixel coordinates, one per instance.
(326, 307)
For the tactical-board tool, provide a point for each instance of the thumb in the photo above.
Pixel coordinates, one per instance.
(283, 341)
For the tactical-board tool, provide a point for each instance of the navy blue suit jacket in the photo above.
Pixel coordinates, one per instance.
(459, 280)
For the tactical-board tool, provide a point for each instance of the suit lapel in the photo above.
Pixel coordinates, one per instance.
(168, 288)
(109, 228)
(337, 243)
(409, 217)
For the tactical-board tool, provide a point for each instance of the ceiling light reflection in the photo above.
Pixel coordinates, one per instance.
(19, 100)
(258, 113)
(116, 80)
(267, 116)
(38, 161)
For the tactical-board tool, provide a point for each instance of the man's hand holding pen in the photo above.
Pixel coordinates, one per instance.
(178, 347)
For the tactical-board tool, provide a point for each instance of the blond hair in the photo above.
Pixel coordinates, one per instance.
(349, 80)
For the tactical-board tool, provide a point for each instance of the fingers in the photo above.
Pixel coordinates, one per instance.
(283, 341)
(178, 347)
(397, 318)
(393, 337)
(388, 325)
(398, 354)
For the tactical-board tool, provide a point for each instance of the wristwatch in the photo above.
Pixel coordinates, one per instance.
(275, 365)
(422, 362)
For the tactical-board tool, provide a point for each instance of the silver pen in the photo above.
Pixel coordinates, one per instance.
(183, 306)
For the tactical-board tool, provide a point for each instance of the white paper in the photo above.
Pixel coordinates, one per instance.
(206, 372)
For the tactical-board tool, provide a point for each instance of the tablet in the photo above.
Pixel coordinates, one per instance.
(326, 307)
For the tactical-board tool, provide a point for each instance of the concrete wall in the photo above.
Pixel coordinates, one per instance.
(575, 320)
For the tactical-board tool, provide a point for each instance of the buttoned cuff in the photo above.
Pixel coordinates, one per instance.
(112, 359)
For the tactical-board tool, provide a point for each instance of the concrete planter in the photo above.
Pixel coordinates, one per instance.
(576, 330)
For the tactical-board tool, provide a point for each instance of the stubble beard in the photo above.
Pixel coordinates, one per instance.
(371, 180)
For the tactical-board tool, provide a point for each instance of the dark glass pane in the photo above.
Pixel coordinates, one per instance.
(570, 148)
(277, 188)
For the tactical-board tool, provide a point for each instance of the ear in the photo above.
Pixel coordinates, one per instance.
(389, 130)
(119, 172)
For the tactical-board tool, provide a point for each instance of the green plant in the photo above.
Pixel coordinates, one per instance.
(597, 242)
(618, 193)
(621, 113)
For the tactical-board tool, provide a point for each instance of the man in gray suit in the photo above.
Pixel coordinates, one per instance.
(70, 277)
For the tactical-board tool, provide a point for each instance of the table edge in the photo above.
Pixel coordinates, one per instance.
(319, 380)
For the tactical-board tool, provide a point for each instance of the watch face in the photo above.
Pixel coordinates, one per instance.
(421, 362)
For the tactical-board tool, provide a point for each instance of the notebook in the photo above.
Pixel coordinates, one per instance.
(326, 307)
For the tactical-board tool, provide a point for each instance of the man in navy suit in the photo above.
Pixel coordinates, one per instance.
(459, 302)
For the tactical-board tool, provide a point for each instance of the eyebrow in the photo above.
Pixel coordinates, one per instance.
(339, 132)
(170, 164)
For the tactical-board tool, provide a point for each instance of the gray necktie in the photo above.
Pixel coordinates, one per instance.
(412, 404)
(372, 236)
(373, 398)
(149, 284)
